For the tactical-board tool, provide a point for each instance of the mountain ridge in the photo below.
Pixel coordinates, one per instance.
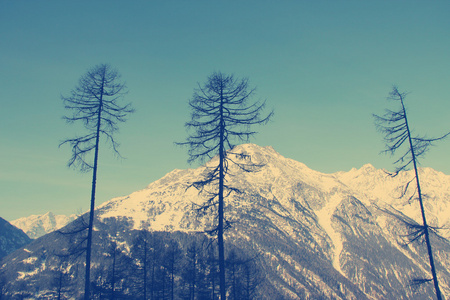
(36, 226)
(375, 182)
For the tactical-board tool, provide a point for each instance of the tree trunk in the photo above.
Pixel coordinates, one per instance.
(113, 279)
(221, 207)
(145, 265)
(153, 276)
(60, 283)
(172, 271)
(213, 283)
(422, 210)
(91, 213)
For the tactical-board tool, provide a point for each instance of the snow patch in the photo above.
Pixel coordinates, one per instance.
(22, 275)
(324, 217)
(29, 260)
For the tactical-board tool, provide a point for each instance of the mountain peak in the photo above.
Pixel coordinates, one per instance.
(49, 214)
(257, 154)
(367, 168)
(253, 148)
(36, 226)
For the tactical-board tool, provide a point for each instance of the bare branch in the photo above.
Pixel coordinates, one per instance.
(395, 126)
(95, 97)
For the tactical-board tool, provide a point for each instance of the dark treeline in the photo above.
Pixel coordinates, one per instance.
(150, 265)
(157, 266)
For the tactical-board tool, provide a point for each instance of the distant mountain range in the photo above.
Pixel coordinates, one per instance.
(36, 226)
(315, 235)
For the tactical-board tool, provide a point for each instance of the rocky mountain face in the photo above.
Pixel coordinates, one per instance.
(11, 238)
(313, 235)
(36, 226)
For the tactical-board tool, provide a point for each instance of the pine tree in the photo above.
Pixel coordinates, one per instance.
(94, 103)
(172, 257)
(397, 130)
(221, 115)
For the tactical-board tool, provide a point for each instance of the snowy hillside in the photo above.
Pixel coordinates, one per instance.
(376, 187)
(316, 235)
(11, 238)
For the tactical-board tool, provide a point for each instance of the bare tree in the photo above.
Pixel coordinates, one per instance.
(253, 277)
(192, 270)
(61, 278)
(117, 277)
(395, 126)
(141, 252)
(170, 260)
(94, 103)
(221, 115)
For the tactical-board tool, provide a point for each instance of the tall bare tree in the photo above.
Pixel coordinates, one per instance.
(221, 115)
(95, 103)
(170, 260)
(141, 252)
(398, 137)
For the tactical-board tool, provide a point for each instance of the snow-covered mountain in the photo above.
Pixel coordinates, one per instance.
(368, 184)
(36, 226)
(377, 188)
(316, 235)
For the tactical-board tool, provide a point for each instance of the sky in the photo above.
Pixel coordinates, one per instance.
(324, 67)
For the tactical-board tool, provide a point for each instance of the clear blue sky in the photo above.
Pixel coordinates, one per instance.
(324, 66)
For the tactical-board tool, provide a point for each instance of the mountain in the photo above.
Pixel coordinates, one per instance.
(313, 235)
(11, 238)
(373, 185)
(36, 226)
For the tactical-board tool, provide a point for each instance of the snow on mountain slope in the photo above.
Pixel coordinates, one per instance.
(325, 220)
(165, 204)
(279, 178)
(375, 186)
(36, 226)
